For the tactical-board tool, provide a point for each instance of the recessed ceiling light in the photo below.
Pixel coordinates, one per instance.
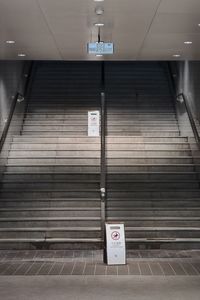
(21, 54)
(188, 42)
(99, 24)
(98, 0)
(10, 42)
(176, 55)
(199, 24)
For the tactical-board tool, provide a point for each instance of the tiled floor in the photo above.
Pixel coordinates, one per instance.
(147, 262)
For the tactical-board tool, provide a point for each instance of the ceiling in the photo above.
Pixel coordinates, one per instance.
(61, 29)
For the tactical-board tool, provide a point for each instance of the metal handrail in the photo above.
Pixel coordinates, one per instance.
(185, 101)
(8, 121)
(17, 98)
(190, 116)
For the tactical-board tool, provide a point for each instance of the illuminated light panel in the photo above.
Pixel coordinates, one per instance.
(21, 54)
(10, 42)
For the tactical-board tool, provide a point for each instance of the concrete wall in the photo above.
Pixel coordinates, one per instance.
(188, 82)
(13, 77)
(10, 78)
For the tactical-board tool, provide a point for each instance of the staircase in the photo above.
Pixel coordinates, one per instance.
(50, 191)
(152, 181)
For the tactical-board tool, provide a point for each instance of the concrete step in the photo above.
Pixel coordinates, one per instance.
(118, 127)
(128, 185)
(156, 176)
(153, 193)
(95, 177)
(56, 139)
(87, 161)
(162, 232)
(63, 160)
(110, 140)
(65, 122)
(54, 168)
(51, 243)
(147, 133)
(84, 110)
(84, 132)
(50, 202)
(87, 232)
(157, 221)
(50, 212)
(131, 185)
(56, 147)
(153, 203)
(95, 193)
(51, 233)
(56, 153)
(49, 222)
(131, 117)
(51, 192)
(93, 153)
(94, 100)
(94, 147)
(153, 212)
(56, 177)
(110, 104)
(53, 185)
(141, 168)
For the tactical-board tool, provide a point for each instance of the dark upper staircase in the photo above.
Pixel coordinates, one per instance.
(50, 191)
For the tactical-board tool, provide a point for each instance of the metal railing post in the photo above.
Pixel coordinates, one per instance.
(103, 159)
(103, 167)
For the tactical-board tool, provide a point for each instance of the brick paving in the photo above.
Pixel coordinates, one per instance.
(61, 262)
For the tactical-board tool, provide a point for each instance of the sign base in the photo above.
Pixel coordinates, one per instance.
(115, 248)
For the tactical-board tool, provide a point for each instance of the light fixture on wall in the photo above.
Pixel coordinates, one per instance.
(99, 11)
(20, 98)
(176, 55)
(179, 98)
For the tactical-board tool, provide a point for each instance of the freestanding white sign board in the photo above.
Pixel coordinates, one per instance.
(93, 123)
(115, 244)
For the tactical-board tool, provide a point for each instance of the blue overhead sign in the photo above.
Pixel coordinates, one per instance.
(100, 48)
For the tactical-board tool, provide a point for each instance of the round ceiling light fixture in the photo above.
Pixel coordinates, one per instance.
(188, 42)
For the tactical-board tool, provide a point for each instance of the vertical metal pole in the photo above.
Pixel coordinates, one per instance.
(103, 160)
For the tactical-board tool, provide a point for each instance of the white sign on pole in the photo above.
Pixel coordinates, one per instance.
(93, 123)
(115, 244)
